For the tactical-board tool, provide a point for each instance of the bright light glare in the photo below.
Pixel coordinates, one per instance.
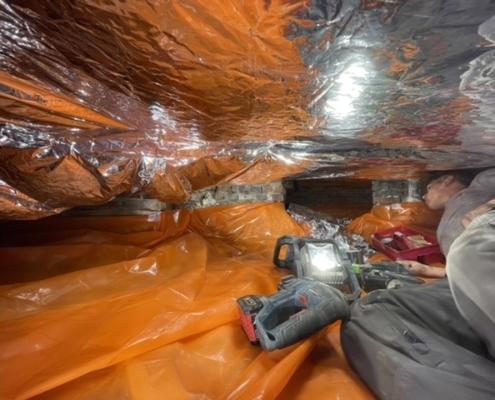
(348, 80)
(321, 262)
(321, 257)
(347, 88)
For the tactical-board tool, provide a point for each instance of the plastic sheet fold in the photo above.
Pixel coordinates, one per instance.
(245, 228)
(150, 323)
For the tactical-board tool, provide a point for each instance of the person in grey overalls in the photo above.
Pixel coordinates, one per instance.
(436, 341)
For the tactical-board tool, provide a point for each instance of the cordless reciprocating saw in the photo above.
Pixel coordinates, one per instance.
(300, 308)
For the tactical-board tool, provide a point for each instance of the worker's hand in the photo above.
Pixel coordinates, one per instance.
(483, 209)
(415, 267)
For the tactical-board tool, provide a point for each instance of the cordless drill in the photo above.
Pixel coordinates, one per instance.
(384, 275)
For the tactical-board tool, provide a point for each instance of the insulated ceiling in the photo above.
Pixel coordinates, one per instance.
(100, 98)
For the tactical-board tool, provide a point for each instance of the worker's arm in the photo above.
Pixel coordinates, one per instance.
(417, 268)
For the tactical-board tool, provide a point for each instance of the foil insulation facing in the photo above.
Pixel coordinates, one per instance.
(165, 97)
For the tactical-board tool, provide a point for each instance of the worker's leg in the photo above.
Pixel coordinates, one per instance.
(471, 274)
(412, 343)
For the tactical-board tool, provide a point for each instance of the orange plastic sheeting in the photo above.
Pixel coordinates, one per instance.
(218, 364)
(93, 241)
(162, 324)
(24, 265)
(137, 230)
(245, 228)
(384, 217)
(57, 330)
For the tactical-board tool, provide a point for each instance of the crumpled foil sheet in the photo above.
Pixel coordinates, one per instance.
(165, 97)
(324, 226)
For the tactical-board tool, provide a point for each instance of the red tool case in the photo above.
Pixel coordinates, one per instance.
(395, 243)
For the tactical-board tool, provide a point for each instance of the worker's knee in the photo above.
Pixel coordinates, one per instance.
(471, 274)
(473, 251)
(470, 263)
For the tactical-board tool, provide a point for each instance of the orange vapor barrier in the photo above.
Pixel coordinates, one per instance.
(245, 228)
(148, 324)
(389, 216)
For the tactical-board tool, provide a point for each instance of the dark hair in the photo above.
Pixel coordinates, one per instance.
(463, 176)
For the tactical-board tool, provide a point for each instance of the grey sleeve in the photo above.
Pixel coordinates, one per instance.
(484, 181)
(471, 275)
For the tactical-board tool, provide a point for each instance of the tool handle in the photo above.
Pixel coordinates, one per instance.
(310, 321)
(288, 261)
(297, 313)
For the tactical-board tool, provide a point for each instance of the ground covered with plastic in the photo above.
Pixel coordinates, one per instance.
(146, 310)
(143, 307)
